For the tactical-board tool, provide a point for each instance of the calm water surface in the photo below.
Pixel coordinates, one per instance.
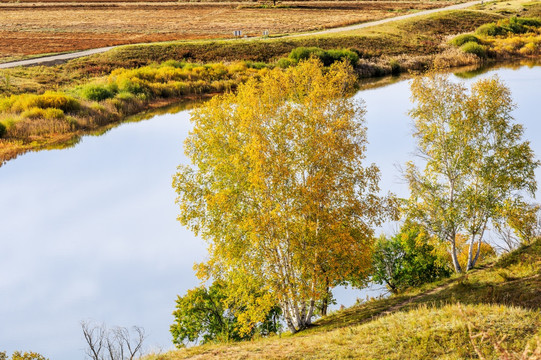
(90, 233)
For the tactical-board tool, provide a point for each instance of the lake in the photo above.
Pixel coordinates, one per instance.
(89, 233)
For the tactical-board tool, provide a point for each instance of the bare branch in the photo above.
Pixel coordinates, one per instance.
(95, 337)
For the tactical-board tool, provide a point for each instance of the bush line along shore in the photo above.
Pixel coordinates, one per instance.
(43, 107)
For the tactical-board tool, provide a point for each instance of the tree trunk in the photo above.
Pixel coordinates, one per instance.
(310, 313)
(471, 262)
(454, 256)
(324, 306)
(298, 319)
(288, 317)
(477, 253)
(325, 300)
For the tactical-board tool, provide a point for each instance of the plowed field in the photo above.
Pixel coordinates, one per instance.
(29, 28)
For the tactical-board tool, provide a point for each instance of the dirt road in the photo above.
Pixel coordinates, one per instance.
(384, 21)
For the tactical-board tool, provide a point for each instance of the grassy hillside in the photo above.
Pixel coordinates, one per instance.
(491, 313)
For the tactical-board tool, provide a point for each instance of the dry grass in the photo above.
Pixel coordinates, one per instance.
(46, 27)
(490, 313)
(423, 333)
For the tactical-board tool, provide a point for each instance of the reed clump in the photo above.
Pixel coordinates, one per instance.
(123, 92)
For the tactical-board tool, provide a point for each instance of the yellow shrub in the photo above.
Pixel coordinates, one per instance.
(57, 100)
(529, 49)
(50, 99)
(37, 113)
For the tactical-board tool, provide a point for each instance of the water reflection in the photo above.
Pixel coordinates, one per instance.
(90, 233)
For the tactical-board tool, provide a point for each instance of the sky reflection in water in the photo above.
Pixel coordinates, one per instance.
(90, 233)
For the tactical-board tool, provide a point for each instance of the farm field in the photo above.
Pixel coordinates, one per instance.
(29, 28)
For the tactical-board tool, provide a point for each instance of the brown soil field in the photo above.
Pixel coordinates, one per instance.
(50, 26)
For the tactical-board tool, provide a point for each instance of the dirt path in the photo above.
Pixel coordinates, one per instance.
(384, 21)
(56, 59)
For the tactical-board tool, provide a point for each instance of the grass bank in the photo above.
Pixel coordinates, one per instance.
(103, 89)
(491, 313)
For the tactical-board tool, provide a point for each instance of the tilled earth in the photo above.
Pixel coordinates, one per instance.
(29, 28)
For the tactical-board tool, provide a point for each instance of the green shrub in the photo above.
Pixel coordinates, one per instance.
(474, 48)
(131, 85)
(284, 63)
(327, 57)
(96, 92)
(2, 129)
(330, 56)
(490, 29)
(516, 25)
(173, 63)
(407, 259)
(125, 95)
(303, 53)
(464, 38)
(533, 22)
(255, 65)
(512, 25)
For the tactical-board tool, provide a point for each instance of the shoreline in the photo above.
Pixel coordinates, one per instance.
(12, 148)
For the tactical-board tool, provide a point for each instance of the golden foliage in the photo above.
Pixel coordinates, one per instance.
(278, 188)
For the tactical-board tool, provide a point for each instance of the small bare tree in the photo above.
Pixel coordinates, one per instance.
(520, 226)
(508, 241)
(113, 344)
(95, 337)
(129, 344)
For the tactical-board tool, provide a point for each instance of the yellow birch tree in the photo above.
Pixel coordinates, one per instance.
(476, 164)
(278, 189)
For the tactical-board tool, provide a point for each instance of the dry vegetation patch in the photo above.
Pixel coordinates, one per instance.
(44, 27)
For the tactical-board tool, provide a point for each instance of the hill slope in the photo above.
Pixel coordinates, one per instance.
(491, 313)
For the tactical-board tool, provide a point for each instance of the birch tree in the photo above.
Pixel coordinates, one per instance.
(279, 191)
(476, 163)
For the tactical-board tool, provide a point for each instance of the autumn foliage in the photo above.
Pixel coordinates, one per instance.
(279, 191)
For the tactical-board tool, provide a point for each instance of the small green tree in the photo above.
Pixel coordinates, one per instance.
(476, 163)
(408, 259)
(204, 315)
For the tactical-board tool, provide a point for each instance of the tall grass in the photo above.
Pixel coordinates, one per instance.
(123, 92)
